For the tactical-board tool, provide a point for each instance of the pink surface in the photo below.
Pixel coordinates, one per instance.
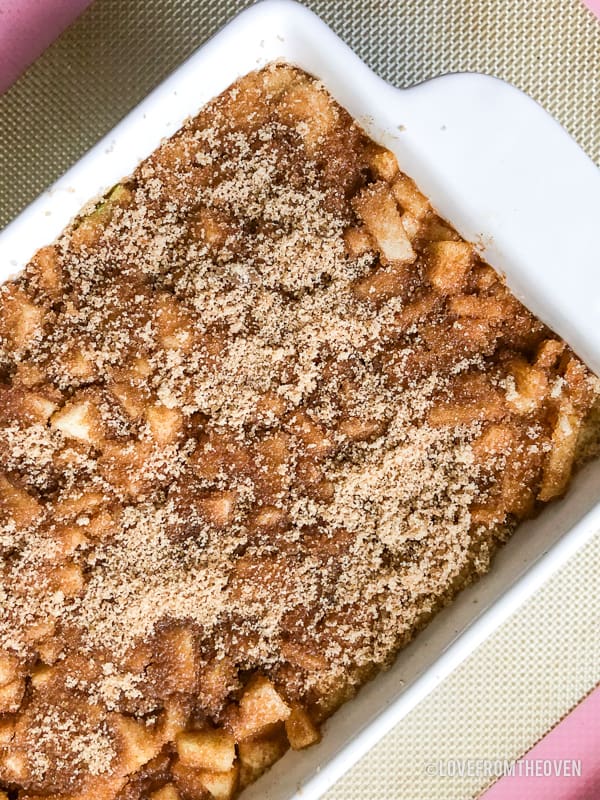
(27, 27)
(594, 5)
(576, 739)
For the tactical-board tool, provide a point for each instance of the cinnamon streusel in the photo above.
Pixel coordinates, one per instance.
(262, 413)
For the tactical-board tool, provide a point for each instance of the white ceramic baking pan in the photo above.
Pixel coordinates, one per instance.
(512, 181)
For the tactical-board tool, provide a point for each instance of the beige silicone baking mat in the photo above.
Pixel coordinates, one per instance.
(530, 673)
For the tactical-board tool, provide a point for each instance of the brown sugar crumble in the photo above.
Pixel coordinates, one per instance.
(262, 413)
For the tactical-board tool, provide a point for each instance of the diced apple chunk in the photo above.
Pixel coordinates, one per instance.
(218, 508)
(128, 397)
(173, 323)
(78, 420)
(8, 668)
(180, 654)
(7, 730)
(46, 268)
(412, 225)
(17, 504)
(20, 320)
(165, 424)
(217, 678)
(474, 307)
(173, 719)
(549, 352)
(14, 766)
(68, 538)
(42, 677)
(559, 463)
(40, 407)
(383, 163)
(300, 729)
(81, 503)
(138, 745)
(28, 374)
(257, 755)
(120, 195)
(49, 650)
(209, 749)
(359, 430)
(37, 631)
(68, 579)
(409, 197)
(11, 695)
(261, 705)
(496, 440)
(378, 286)
(268, 517)
(79, 364)
(530, 387)
(377, 208)
(357, 241)
(302, 657)
(311, 434)
(307, 107)
(449, 265)
(167, 792)
(211, 226)
(220, 785)
(90, 227)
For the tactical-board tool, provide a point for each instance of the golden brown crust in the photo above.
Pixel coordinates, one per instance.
(263, 412)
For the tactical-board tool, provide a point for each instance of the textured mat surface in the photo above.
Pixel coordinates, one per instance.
(499, 702)
(119, 50)
(527, 676)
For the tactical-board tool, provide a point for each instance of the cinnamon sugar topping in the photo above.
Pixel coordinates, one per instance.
(263, 412)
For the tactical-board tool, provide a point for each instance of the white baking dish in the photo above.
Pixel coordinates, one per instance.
(510, 179)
